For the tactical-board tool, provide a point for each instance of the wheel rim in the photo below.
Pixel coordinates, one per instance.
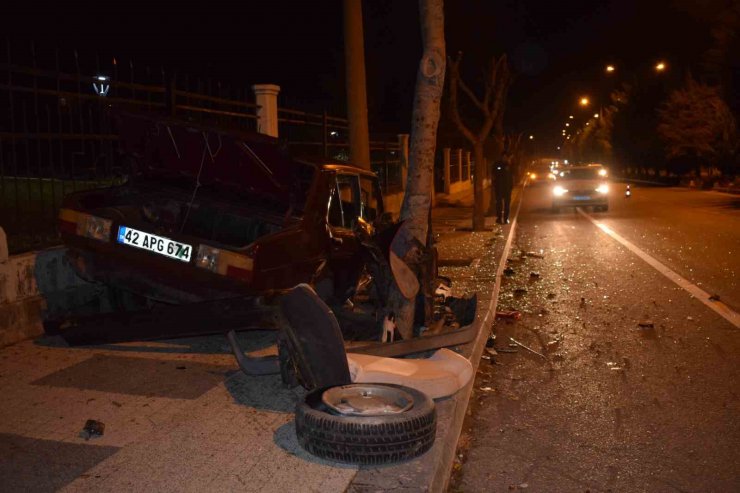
(367, 400)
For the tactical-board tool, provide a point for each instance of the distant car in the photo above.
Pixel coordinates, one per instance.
(580, 186)
(540, 174)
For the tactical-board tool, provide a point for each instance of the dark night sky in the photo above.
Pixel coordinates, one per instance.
(557, 48)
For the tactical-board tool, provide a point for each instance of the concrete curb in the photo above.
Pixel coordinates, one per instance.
(442, 476)
(431, 472)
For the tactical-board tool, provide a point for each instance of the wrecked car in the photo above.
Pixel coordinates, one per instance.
(211, 214)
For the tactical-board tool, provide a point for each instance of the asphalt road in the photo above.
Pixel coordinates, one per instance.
(637, 386)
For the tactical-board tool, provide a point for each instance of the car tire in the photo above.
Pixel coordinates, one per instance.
(366, 440)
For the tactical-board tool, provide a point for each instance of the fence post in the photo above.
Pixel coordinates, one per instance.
(172, 96)
(325, 134)
(468, 164)
(403, 158)
(3, 246)
(446, 167)
(459, 164)
(267, 113)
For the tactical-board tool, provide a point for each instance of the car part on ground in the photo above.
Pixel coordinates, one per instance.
(263, 365)
(313, 341)
(440, 375)
(400, 434)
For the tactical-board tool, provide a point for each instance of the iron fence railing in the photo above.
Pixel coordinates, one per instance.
(57, 133)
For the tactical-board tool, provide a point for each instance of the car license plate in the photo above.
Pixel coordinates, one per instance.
(153, 243)
(582, 197)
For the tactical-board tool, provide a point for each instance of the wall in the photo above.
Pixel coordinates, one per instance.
(41, 284)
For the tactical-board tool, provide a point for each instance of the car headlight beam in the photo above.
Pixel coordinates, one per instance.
(603, 188)
(559, 191)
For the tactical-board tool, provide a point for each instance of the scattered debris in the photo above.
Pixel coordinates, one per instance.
(491, 352)
(180, 368)
(534, 275)
(690, 318)
(613, 366)
(551, 296)
(527, 348)
(491, 341)
(486, 389)
(714, 297)
(554, 342)
(510, 314)
(646, 324)
(92, 429)
(520, 292)
(506, 350)
(535, 254)
(509, 272)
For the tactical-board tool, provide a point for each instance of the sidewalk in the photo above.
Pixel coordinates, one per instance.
(179, 416)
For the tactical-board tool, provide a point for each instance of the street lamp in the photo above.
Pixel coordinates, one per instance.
(584, 101)
(531, 137)
(660, 66)
(567, 124)
(596, 115)
(610, 69)
(571, 117)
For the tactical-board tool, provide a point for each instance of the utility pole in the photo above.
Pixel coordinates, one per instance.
(354, 61)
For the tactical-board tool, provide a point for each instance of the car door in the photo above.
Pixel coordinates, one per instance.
(344, 209)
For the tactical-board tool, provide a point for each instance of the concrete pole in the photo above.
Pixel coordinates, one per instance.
(265, 96)
(446, 164)
(354, 61)
(403, 157)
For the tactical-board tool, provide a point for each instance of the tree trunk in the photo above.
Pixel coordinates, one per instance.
(425, 118)
(479, 205)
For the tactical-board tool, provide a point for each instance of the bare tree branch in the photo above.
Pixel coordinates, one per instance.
(454, 110)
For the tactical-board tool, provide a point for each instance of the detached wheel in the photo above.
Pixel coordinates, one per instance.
(366, 423)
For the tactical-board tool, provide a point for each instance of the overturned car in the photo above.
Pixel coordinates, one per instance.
(208, 214)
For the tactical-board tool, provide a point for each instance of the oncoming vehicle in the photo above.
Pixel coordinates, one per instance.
(210, 214)
(580, 186)
(539, 172)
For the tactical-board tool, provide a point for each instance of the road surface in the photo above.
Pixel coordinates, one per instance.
(637, 386)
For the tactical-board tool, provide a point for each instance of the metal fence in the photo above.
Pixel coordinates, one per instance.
(57, 134)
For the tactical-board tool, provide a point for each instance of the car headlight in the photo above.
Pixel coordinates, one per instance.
(559, 191)
(602, 172)
(94, 227)
(603, 188)
(533, 176)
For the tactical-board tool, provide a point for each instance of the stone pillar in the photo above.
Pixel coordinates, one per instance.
(459, 164)
(265, 96)
(403, 158)
(446, 165)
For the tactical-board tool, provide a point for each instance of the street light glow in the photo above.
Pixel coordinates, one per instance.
(596, 115)
(567, 124)
(571, 117)
(584, 101)
(531, 137)
(660, 66)
(610, 68)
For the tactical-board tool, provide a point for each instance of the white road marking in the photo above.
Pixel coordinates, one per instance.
(723, 310)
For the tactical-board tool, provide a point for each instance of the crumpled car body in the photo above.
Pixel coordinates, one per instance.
(209, 214)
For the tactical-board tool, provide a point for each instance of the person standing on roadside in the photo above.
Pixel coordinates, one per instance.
(503, 184)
